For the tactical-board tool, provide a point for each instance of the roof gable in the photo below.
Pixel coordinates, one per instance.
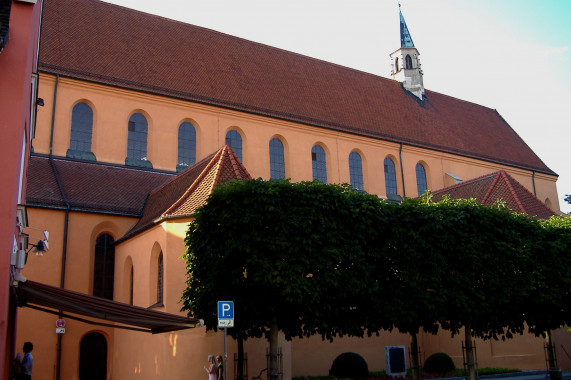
(489, 188)
(148, 53)
(182, 195)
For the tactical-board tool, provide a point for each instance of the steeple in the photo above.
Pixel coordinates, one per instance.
(405, 62)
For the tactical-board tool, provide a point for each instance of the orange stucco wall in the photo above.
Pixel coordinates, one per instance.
(135, 355)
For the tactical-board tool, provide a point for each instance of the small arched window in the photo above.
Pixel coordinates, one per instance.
(408, 62)
(104, 267)
(421, 184)
(81, 132)
(186, 146)
(234, 140)
(319, 164)
(131, 284)
(160, 279)
(397, 65)
(390, 177)
(356, 171)
(277, 164)
(137, 141)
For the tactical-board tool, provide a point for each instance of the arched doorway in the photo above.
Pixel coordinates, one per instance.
(93, 357)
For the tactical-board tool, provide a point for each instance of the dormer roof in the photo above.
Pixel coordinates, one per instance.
(183, 194)
(489, 188)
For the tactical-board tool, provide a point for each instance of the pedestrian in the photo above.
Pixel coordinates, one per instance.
(219, 367)
(26, 363)
(211, 369)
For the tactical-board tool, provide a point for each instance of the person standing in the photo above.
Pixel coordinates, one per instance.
(27, 362)
(211, 369)
(219, 367)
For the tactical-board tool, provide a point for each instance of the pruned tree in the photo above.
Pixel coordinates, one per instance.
(292, 257)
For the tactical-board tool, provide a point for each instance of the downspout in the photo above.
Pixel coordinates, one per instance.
(533, 182)
(402, 171)
(66, 223)
(53, 116)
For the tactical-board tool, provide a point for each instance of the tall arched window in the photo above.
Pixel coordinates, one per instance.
(390, 177)
(104, 267)
(186, 146)
(160, 279)
(421, 179)
(356, 171)
(408, 62)
(277, 163)
(131, 284)
(137, 141)
(397, 65)
(319, 164)
(81, 132)
(234, 139)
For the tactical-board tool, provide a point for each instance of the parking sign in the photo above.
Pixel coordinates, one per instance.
(225, 314)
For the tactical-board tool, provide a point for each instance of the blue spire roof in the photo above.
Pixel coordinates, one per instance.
(405, 38)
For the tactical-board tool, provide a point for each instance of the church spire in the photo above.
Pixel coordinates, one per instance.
(405, 63)
(405, 38)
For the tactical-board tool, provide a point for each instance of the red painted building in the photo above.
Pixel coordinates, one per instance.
(19, 34)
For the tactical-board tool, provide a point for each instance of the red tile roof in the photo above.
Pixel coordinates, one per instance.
(95, 41)
(90, 187)
(498, 185)
(182, 195)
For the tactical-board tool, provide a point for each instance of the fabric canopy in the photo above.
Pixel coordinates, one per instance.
(39, 296)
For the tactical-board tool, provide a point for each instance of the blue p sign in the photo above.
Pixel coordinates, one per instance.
(225, 310)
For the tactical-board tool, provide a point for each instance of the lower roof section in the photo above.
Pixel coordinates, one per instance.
(40, 296)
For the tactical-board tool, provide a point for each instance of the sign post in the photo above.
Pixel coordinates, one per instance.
(225, 320)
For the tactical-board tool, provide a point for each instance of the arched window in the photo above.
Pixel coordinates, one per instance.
(277, 164)
(390, 177)
(104, 267)
(131, 284)
(93, 357)
(408, 62)
(186, 146)
(81, 132)
(356, 171)
(421, 179)
(160, 279)
(319, 164)
(137, 141)
(234, 139)
(396, 65)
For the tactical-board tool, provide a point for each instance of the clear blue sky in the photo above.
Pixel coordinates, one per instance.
(510, 55)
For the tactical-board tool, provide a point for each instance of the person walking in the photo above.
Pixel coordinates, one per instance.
(211, 369)
(219, 367)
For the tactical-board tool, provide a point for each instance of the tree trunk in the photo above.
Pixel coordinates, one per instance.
(240, 369)
(415, 360)
(554, 372)
(274, 370)
(470, 366)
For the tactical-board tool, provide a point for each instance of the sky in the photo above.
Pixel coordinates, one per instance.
(510, 55)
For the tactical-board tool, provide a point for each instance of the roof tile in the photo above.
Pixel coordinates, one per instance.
(109, 44)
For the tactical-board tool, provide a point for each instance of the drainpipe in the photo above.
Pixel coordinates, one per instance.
(53, 115)
(533, 182)
(402, 172)
(66, 224)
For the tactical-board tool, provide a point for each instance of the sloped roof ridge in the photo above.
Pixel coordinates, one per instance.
(492, 186)
(511, 188)
(215, 159)
(467, 182)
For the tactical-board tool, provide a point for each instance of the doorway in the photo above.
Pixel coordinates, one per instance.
(93, 357)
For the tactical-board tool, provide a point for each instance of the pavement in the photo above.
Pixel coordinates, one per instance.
(523, 375)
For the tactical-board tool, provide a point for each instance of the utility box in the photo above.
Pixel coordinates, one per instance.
(395, 357)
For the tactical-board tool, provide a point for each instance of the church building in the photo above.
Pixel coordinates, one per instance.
(143, 116)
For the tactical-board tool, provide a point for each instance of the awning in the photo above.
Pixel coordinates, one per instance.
(40, 296)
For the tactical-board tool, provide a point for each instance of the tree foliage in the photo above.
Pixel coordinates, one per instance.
(325, 259)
